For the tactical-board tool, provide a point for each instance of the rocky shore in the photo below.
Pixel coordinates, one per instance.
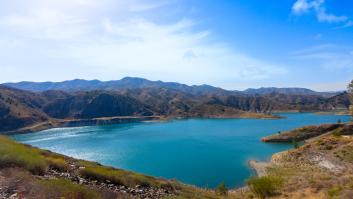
(259, 167)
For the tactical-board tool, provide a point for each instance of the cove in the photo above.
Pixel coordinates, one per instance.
(202, 152)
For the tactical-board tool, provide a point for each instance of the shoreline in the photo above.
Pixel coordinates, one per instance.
(259, 167)
(62, 123)
(79, 123)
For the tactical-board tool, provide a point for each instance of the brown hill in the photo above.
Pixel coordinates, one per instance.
(19, 108)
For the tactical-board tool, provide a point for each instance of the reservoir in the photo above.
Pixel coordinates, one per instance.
(202, 152)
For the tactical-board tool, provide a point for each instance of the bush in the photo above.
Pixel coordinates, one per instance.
(57, 164)
(295, 143)
(264, 186)
(221, 189)
(334, 191)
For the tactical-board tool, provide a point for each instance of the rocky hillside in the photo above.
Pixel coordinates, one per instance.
(20, 108)
(321, 168)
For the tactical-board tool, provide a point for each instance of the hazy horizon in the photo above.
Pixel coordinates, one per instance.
(234, 45)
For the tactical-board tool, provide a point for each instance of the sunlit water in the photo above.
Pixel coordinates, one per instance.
(203, 152)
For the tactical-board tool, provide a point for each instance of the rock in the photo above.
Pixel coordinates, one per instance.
(13, 196)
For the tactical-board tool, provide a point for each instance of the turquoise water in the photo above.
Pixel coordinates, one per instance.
(203, 152)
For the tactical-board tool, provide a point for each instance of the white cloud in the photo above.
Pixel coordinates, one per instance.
(107, 39)
(303, 6)
(323, 16)
(159, 51)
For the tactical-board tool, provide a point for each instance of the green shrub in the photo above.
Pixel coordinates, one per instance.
(57, 164)
(264, 186)
(334, 191)
(221, 189)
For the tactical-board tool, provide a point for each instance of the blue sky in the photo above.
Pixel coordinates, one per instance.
(232, 44)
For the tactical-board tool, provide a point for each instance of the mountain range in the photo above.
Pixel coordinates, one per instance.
(27, 103)
(135, 82)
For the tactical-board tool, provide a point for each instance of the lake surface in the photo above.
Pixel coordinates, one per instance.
(203, 152)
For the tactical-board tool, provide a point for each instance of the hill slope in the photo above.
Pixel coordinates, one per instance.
(20, 108)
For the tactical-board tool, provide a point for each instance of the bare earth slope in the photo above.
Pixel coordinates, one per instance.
(322, 168)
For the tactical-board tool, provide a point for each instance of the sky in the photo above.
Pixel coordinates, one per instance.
(230, 44)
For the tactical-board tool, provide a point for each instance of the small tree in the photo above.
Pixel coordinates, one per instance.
(279, 132)
(222, 189)
(350, 87)
(350, 92)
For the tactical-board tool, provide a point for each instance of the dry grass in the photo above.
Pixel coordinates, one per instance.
(60, 188)
(265, 186)
(14, 154)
